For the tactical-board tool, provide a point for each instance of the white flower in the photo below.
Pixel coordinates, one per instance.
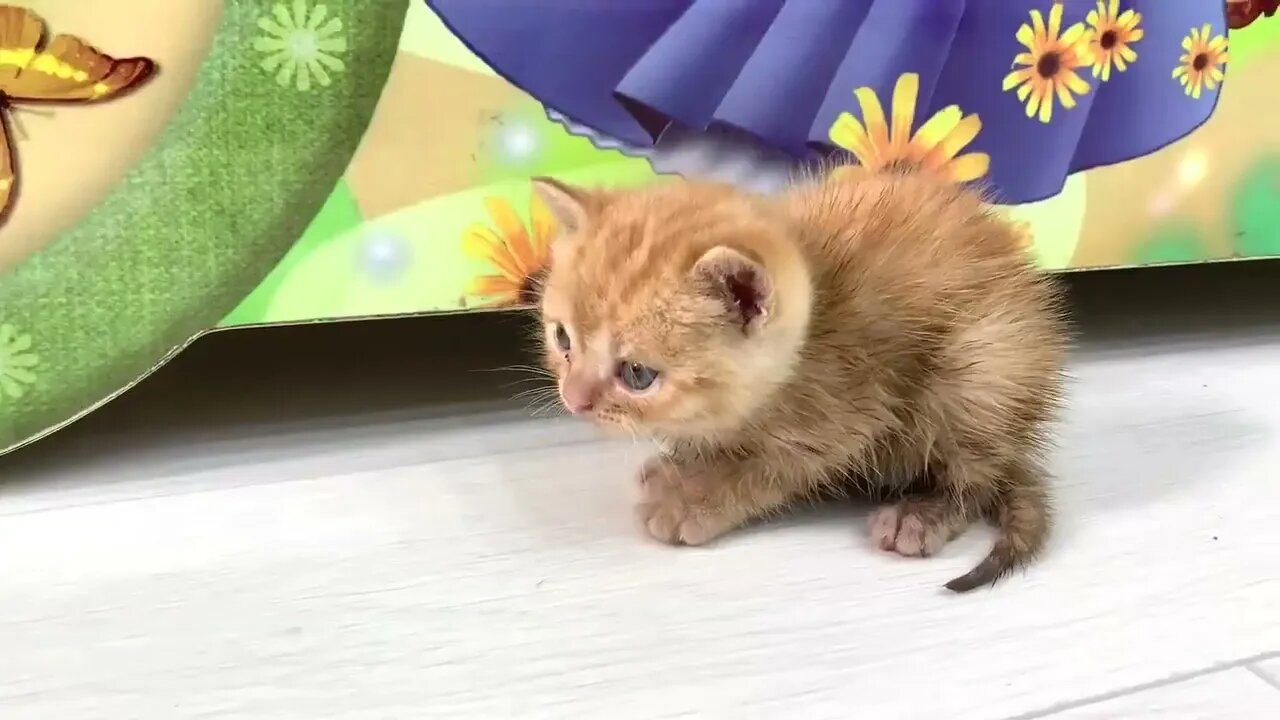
(301, 46)
(15, 362)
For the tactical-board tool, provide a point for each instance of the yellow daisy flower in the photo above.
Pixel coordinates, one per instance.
(878, 143)
(1050, 64)
(1200, 66)
(519, 256)
(1111, 37)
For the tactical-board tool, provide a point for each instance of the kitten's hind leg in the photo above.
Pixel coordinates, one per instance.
(1011, 493)
(918, 525)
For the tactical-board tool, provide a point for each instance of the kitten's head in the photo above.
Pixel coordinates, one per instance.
(674, 310)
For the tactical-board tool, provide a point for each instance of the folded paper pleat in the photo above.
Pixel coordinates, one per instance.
(1057, 89)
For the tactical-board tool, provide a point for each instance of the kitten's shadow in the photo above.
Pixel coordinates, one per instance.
(1115, 455)
(582, 494)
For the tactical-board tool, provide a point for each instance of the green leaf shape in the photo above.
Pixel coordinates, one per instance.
(339, 214)
(1257, 209)
(1171, 244)
(228, 187)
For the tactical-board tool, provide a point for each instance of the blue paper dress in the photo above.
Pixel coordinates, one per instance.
(1056, 86)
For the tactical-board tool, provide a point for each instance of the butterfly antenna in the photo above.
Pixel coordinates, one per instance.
(16, 113)
(19, 129)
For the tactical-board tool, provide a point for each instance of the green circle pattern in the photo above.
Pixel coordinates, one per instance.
(231, 183)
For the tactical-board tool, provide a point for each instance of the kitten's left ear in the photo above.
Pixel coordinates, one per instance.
(568, 205)
(741, 283)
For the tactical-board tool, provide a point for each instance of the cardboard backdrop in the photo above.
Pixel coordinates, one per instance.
(222, 163)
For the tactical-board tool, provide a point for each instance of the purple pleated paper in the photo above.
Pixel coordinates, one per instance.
(782, 70)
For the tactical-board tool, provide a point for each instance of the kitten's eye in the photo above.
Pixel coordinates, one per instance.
(635, 376)
(562, 338)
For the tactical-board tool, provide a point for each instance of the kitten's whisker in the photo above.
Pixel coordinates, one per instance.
(539, 391)
(537, 405)
(518, 369)
(540, 407)
(522, 387)
(539, 399)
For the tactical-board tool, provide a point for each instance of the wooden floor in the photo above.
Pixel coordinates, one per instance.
(350, 522)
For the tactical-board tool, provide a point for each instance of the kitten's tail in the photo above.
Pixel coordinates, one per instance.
(1022, 519)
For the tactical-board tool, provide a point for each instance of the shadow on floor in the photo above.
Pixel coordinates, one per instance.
(422, 367)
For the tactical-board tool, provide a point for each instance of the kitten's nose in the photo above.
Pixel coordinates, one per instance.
(579, 395)
(578, 408)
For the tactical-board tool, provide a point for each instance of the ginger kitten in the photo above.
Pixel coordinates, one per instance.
(886, 333)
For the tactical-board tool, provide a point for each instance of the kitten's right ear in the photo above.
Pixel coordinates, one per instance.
(568, 205)
(739, 282)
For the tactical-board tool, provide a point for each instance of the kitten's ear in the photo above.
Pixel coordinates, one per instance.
(568, 205)
(739, 282)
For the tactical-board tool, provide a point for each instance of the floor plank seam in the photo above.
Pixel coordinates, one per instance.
(1142, 687)
(1266, 678)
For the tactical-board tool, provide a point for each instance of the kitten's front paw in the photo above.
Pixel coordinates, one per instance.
(669, 511)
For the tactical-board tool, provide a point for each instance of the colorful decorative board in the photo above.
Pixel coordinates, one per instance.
(173, 166)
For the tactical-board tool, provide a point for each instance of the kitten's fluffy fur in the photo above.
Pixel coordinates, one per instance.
(883, 332)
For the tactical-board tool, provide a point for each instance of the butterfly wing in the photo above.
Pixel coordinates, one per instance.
(7, 177)
(71, 70)
(20, 32)
(68, 69)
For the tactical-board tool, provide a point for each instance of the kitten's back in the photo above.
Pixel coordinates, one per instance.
(909, 234)
(932, 327)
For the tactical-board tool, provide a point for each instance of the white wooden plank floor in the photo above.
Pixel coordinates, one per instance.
(398, 552)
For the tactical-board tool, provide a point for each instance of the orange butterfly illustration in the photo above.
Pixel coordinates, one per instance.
(65, 70)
